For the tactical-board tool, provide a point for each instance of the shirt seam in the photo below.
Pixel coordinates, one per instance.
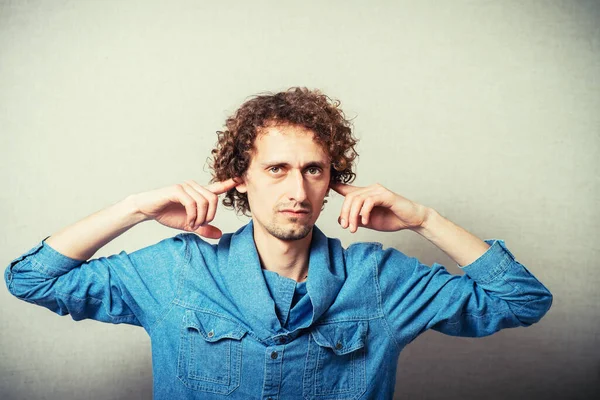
(85, 299)
(40, 268)
(380, 305)
(350, 319)
(497, 273)
(155, 325)
(182, 269)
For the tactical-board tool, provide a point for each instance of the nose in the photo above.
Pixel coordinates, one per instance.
(297, 188)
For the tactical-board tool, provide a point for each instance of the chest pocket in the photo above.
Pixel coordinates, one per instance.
(210, 353)
(335, 366)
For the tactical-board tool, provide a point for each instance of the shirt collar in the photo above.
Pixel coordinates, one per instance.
(244, 279)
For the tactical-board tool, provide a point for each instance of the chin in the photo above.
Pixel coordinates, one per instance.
(292, 236)
(289, 233)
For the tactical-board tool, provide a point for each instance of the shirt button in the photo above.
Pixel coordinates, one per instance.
(274, 355)
(338, 346)
(211, 334)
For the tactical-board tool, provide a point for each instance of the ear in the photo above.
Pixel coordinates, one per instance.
(241, 188)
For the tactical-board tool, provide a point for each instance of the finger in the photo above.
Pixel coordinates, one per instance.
(347, 206)
(343, 188)
(211, 197)
(345, 212)
(223, 186)
(209, 231)
(179, 195)
(353, 215)
(202, 204)
(366, 210)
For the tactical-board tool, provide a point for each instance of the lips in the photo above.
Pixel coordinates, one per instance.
(295, 213)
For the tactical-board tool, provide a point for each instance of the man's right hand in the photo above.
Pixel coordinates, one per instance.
(187, 206)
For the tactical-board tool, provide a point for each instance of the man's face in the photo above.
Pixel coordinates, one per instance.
(289, 171)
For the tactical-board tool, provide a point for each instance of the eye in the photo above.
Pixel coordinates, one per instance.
(275, 169)
(314, 170)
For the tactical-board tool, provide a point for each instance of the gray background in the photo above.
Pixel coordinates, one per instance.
(487, 111)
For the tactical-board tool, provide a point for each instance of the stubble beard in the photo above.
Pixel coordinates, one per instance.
(288, 230)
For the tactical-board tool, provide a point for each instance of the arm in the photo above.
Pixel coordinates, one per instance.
(496, 291)
(82, 239)
(188, 207)
(122, 287)
(133, 288)
(460, 245)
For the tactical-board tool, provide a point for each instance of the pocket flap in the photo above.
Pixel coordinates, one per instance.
(212, 327)
(341, 337)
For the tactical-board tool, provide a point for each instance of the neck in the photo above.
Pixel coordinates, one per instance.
(288, 258)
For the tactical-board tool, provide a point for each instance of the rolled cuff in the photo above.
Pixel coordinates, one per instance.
(47, 260)
(492, 263)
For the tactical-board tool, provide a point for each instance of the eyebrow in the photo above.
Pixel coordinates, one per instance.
(285, 164)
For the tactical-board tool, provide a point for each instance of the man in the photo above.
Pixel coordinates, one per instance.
(277, 310)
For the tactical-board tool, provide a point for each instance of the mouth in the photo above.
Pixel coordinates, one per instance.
(292, 213)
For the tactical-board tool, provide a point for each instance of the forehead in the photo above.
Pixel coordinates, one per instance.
(290, 142)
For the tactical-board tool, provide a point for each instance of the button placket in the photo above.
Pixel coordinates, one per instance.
(282, 340)
(273, 367)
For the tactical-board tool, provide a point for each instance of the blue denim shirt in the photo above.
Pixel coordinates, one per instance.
(292, 306)
(214, 325)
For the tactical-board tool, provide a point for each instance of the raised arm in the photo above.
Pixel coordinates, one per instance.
(496, 291)
(459, 244)
(188, 206)
(121, 288)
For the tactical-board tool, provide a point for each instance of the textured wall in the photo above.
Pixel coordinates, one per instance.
(486, 111)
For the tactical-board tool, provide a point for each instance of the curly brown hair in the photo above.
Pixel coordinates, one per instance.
(300, 106)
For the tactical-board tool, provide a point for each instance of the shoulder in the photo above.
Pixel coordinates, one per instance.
(363, 250)
(361, 258)
(375, 253)
(190, 245)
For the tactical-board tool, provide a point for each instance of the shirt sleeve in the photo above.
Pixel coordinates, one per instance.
(496, 292)
(126, 288)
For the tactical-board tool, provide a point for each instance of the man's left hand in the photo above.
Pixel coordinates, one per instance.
(376, 207)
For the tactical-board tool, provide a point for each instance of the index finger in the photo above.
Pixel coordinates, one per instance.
(222, 186)
(343, 188)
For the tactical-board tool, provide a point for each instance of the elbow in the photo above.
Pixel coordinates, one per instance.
(34, 290)
(27, 287)
(534, 310)
(10, 281)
